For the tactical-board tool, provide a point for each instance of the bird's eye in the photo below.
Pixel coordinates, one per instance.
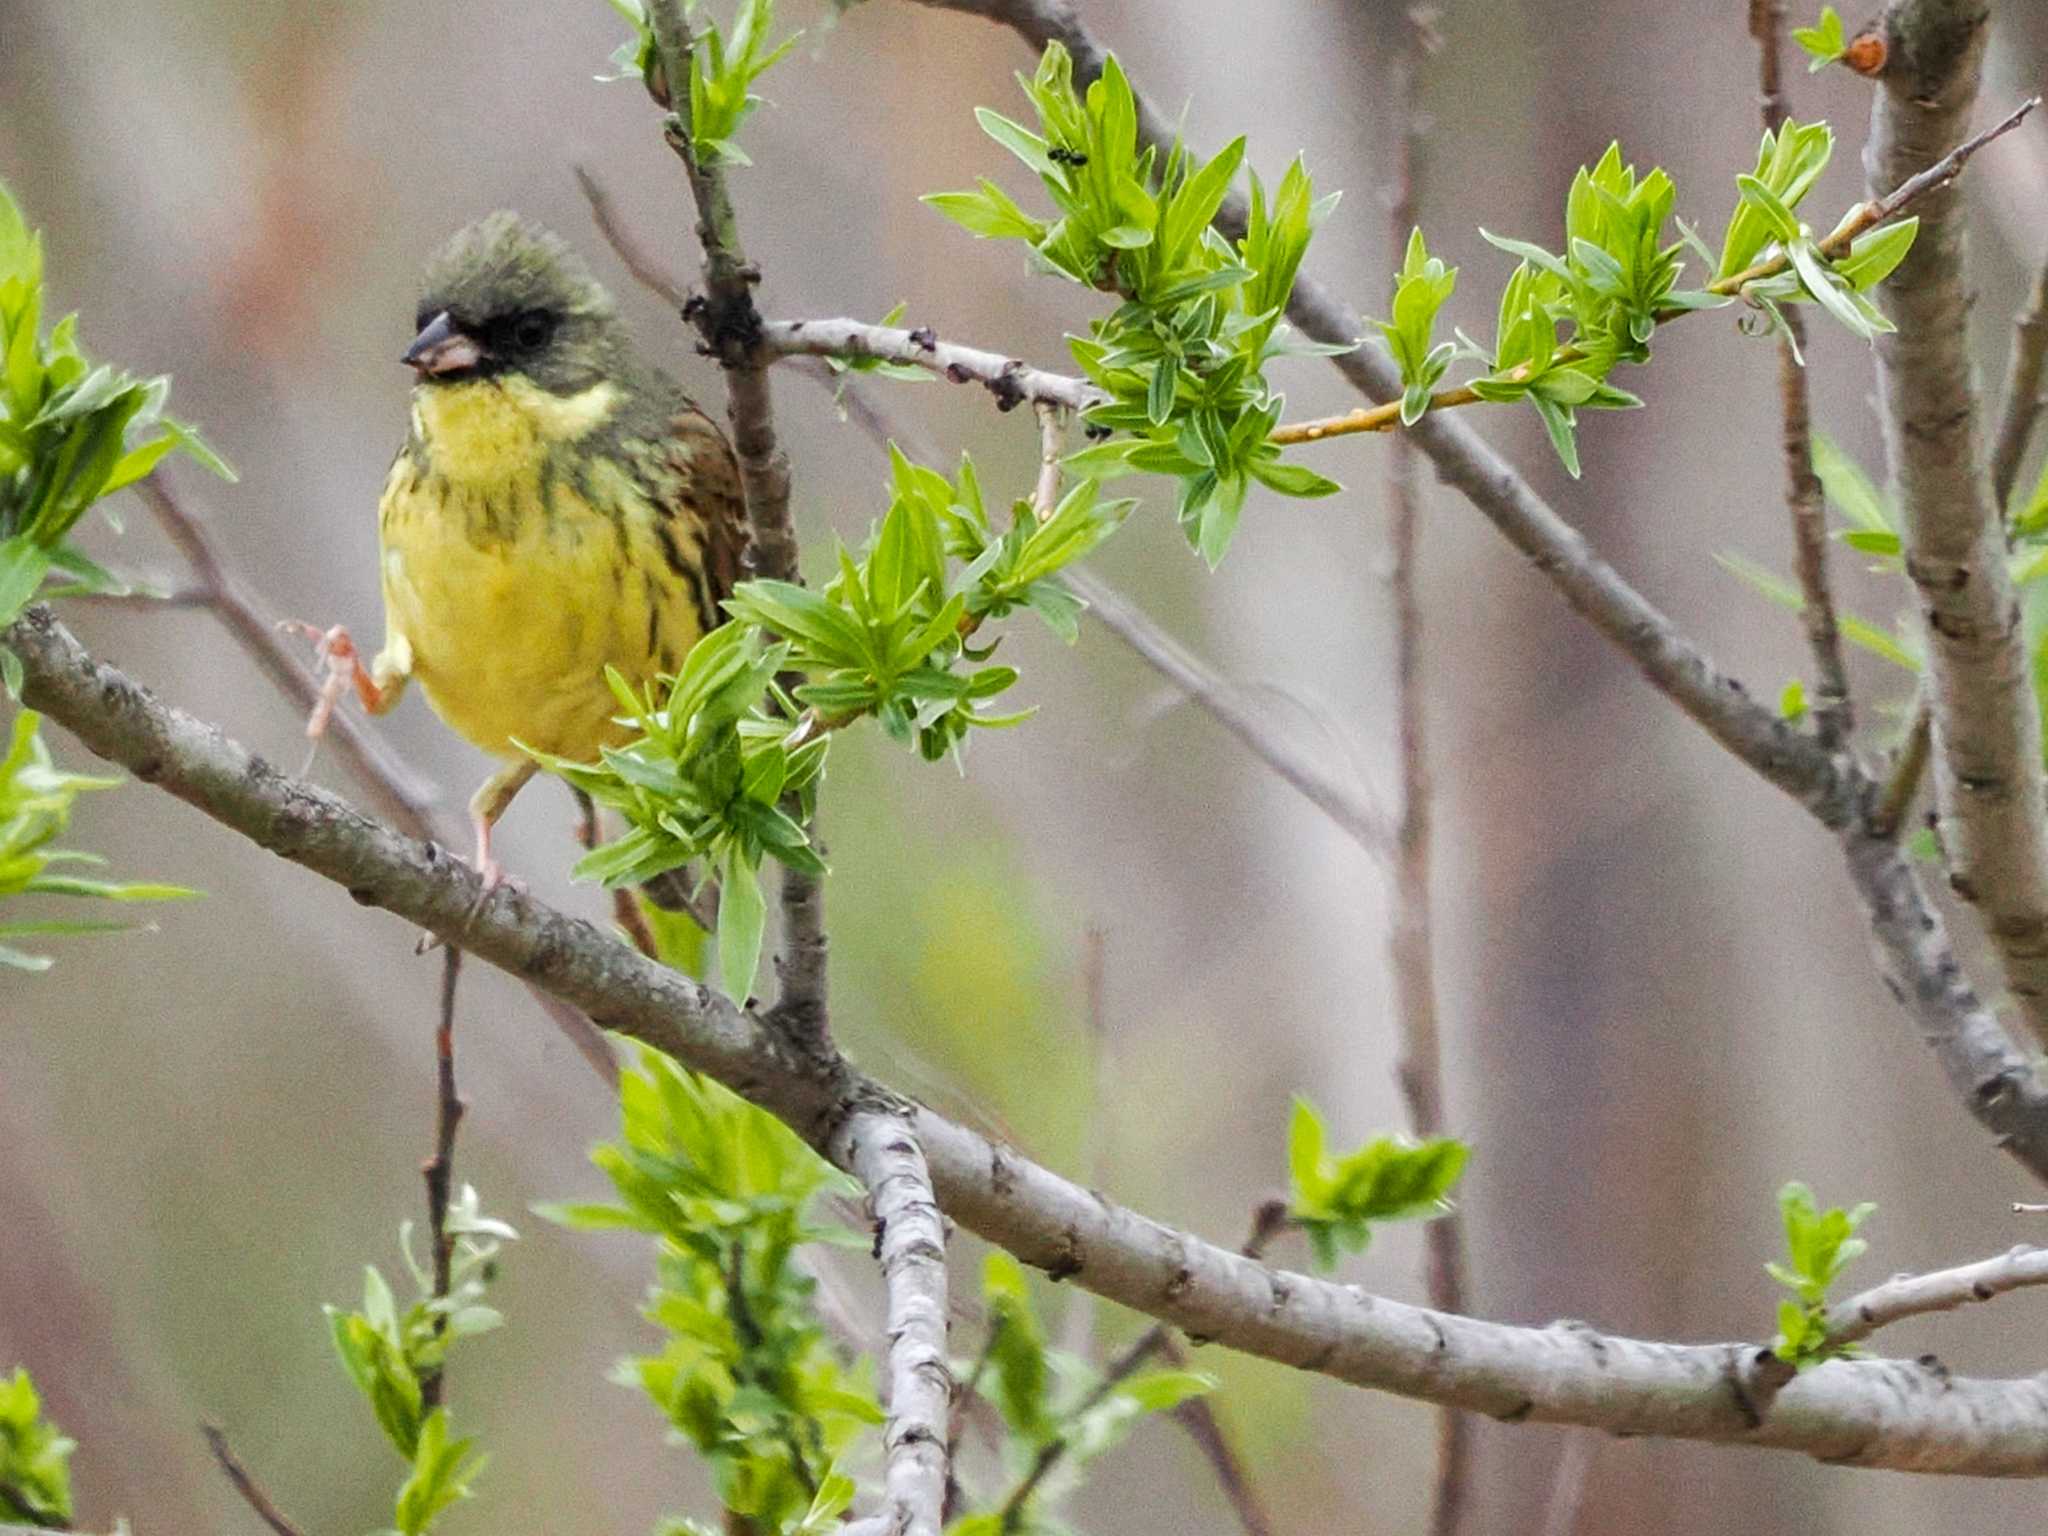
(532, 329)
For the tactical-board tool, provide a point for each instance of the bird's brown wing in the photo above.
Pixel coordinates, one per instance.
(709, 499)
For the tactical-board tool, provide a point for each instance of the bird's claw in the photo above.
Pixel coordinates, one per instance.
(340, 663)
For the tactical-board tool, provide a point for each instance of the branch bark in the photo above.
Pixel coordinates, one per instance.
(1411, 940)
(910, 1240)
(1895, 1414)
(1987, 723)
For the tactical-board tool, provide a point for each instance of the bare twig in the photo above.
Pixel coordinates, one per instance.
(1909, 767)
(1832, 714)
(1411, 952)
(1337, 795)
(1052, 442)
(910, 1241)
(1943, 1290)
(1987, 721)
(439, 1169)
(645, 268)
(1011, 1513)
(2022, 393)
(244, 1484)
(1884, 1413)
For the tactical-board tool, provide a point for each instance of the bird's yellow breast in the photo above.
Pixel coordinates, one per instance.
(520, 560)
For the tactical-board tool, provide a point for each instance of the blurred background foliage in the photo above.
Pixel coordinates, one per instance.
(1654, 981)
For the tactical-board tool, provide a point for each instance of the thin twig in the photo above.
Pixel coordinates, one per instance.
(964, 1399)
(1909, 767)
(1077, 1328)
(2022, 394)
(1568, 1484)
(626, 910)
(1942, 1290)
(439, 1169)
(1052, 442)
(1419, 1070)
(1337, 795)
(1011, 1513)
(646, 270)
(1833, 718)
(245, 1485)
(1859, 221)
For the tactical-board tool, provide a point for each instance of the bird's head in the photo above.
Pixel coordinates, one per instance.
(505, 297)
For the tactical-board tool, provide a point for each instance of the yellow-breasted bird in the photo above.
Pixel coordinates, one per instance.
(559, 506)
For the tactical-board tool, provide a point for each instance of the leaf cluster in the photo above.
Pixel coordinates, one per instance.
(724, 64)
(725, 763)
(389, 1353)
(1824, 43)
(744, 1373)
(1765, 226)
(35, 1459)
(71, 433)
(1336, 1200)
(1183, 357)
(35, 808)
(1566, 321)
(705, 780)
(1819, 1245)
(1052, 1401)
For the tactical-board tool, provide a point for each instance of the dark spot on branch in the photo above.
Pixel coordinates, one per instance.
(1004, 386)
(925, 339)
(1519, 1412)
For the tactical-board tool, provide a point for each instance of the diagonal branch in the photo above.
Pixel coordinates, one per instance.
(881, 1148)
(1987, 723)
(2022, 392)
(1886, 1413)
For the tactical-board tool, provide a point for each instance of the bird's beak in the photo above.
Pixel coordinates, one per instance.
(440, 348)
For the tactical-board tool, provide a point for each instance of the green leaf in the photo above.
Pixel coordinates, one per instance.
(1822, 44)
(742, 915)
(1873, 255)
(1848, 489)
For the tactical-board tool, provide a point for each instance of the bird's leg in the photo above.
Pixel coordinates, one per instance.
(487, 805)
(379, 685)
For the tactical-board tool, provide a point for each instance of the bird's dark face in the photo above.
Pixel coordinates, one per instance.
(505, 297)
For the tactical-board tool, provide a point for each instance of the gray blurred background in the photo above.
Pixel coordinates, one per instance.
(1656, 995)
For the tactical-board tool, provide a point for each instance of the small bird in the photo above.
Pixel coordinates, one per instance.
(558, 507)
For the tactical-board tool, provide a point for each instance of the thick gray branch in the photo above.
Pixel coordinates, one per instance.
(881, 1148)
(1987, 726)
(1872, 1413)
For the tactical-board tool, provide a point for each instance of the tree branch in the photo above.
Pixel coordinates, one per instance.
(237, 1474)
(2022, 392)
(1893, 1414)
(731, 329)
(439, 1169)
(1410, 939)
(1987, 723)
(1833, 717)
(910, 1240)
(1944, 1290)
